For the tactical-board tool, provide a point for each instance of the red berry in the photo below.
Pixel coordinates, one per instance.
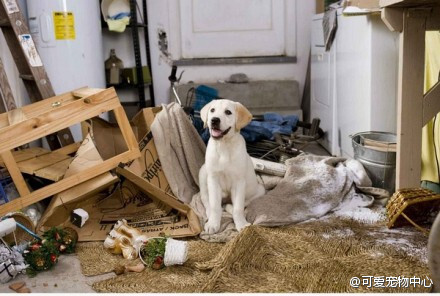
(35, 247)
(53, 258)
(158, 263)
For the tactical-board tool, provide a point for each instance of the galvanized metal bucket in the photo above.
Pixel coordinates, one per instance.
(380, 165)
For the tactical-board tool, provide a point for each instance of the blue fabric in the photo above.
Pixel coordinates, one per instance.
(273, 123)
(204, 95)
(119, 15)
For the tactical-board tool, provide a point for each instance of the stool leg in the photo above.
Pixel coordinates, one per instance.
(15, 173)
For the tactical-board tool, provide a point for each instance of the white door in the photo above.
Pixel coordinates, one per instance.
(247, 27)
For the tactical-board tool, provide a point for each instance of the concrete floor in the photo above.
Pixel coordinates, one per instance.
(65, 277)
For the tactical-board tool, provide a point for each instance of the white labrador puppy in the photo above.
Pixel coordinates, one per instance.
(228, 171)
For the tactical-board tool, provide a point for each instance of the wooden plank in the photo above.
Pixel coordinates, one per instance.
(69, 149)
(408, 3)
(410, 100)
(431, 103)
(85, 92)
(44, 163)
(5, 89)
(40, 107)
(15, 173)
(393, 19)
(67, 183)
(16, 116)
(54, 172)
(34, 164)
(22, 155)
(59, 118)
(127, 131)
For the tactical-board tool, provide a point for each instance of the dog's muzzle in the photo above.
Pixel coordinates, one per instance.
(218, 133)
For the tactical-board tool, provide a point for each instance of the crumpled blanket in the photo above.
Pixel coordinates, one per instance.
(181, 150)
(312, 187)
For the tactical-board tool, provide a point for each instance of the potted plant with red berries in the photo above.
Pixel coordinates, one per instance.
(159, 252)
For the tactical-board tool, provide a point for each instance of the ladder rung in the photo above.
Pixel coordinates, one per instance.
(5, 23)
(27, 77)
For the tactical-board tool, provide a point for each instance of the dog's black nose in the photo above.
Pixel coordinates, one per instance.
(215, 120)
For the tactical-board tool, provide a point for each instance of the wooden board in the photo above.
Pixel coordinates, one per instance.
(43, 163)
(57, 118)
(37, 163)
(22, 155)
(8, 99)
(69, 149)
(410, 99)
(408, 3)
(56, 171)
(15, 173)
(431, 103)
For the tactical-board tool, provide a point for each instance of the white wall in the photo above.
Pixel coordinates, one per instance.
(163, 14)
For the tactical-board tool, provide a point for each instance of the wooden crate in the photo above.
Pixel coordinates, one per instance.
(32, 122)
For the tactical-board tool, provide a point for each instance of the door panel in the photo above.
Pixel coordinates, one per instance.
(230, 28)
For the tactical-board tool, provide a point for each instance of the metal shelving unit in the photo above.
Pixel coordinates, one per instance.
(135, 25)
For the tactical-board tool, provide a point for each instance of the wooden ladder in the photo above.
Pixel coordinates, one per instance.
(29, 65)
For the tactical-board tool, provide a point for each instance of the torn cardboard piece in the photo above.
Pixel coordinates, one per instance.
(148, 166)
(87, 156)
(144, 206)
(109, 142)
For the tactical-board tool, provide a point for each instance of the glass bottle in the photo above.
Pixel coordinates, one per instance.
(113, 68)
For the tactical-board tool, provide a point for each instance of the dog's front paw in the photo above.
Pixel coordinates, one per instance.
(212, 227)
(242, 225)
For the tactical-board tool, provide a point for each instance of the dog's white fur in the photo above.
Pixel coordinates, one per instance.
(228, 171)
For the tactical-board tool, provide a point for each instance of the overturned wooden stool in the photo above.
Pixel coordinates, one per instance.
(32, 122)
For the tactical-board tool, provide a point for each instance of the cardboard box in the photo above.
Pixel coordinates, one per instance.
(109, 141)
(148, 166)
(144, 206)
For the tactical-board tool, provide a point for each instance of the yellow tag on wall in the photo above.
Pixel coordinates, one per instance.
(64, 25)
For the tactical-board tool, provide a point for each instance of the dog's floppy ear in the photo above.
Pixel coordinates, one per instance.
(243, 116)
(204, 113)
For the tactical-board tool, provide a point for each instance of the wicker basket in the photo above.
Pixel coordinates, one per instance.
(412, 206)
(20, 234)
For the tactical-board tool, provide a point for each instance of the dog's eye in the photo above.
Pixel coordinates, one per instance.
(227, 112)
(212, 110)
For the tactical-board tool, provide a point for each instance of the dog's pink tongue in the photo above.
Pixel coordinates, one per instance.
(216, 133)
